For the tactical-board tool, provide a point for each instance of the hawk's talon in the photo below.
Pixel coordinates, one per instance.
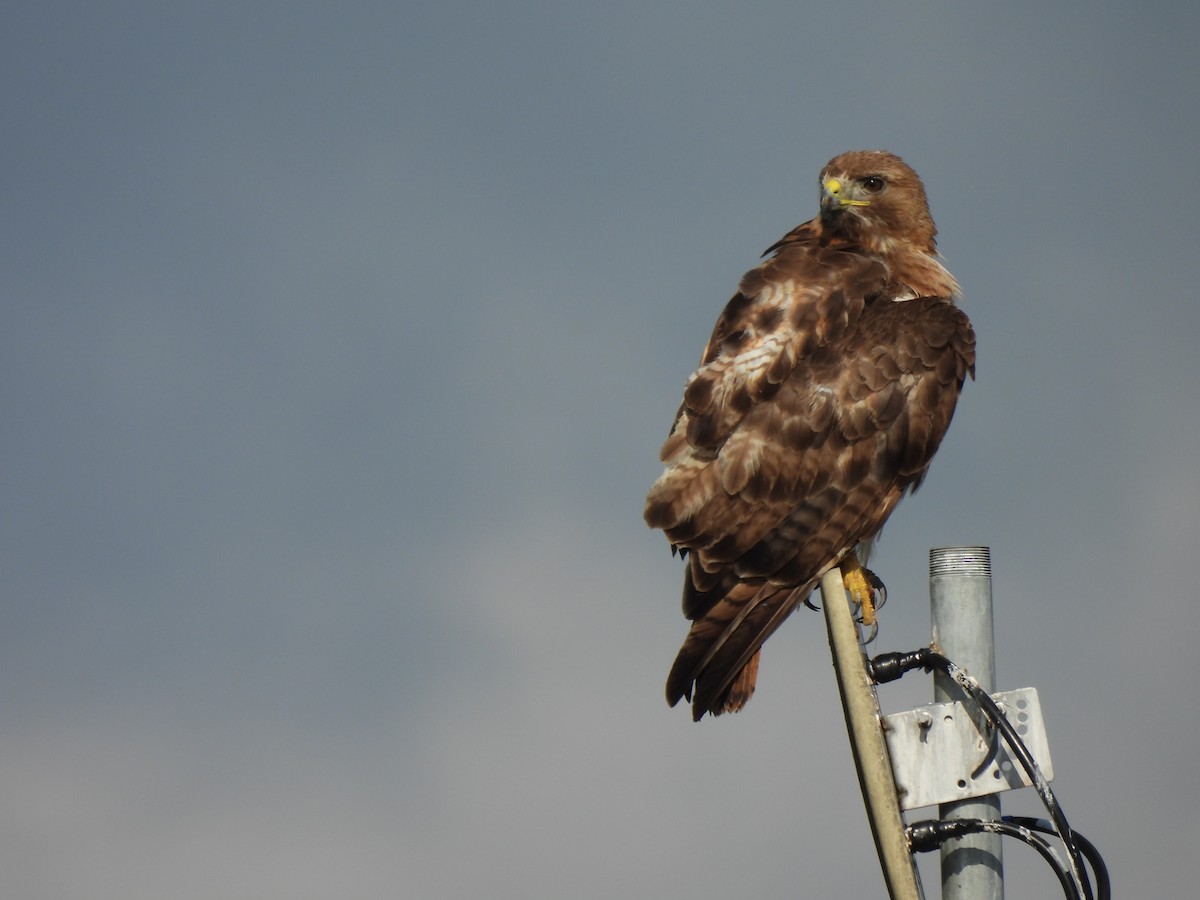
(880, 591)
(866, 590)
(871, 634)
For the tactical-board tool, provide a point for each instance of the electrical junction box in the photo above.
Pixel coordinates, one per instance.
(948, 751)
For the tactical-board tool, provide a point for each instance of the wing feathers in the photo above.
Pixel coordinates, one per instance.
(797, 482)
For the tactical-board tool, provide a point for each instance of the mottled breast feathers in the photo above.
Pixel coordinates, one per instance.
(825, 389)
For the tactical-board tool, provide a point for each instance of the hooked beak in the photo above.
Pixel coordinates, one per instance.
(835, 195)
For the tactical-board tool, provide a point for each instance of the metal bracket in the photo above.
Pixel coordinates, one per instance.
(945, 752)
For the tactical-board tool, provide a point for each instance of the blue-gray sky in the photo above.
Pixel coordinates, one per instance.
(339, 341)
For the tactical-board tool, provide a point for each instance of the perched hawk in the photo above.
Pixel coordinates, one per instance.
(826, 387)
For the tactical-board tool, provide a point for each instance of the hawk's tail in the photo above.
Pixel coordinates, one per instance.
(718, 663)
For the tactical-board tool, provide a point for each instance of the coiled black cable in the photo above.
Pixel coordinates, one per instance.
(890, 666)
(931, 834)
(1090, 853)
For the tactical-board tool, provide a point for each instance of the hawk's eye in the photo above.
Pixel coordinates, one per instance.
(874, 184)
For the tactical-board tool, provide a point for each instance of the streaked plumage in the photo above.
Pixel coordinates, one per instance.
(827, 385)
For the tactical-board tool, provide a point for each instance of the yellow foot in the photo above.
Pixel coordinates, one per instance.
(864, 586)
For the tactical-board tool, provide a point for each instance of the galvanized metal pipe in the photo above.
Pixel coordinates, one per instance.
(960, 594)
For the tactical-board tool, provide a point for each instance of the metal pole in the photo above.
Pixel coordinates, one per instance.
(960, 594)
(861, 706)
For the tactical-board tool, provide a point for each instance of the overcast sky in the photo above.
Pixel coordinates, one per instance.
(339, 341)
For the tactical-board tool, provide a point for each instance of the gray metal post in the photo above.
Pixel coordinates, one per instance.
(960, 593)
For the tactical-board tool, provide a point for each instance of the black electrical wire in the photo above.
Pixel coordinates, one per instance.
(930, 834)
(890, 666)
(928, 659)
(1099, 869)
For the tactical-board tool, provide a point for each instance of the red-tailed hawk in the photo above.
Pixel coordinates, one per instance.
(826, 387)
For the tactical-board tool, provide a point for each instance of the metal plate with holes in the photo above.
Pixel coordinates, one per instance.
(940, 754)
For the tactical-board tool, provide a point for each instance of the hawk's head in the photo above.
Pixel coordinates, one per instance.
(875, 200)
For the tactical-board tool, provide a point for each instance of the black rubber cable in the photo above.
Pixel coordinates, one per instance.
(890, 666)
(1099, 869)
(930, 834)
